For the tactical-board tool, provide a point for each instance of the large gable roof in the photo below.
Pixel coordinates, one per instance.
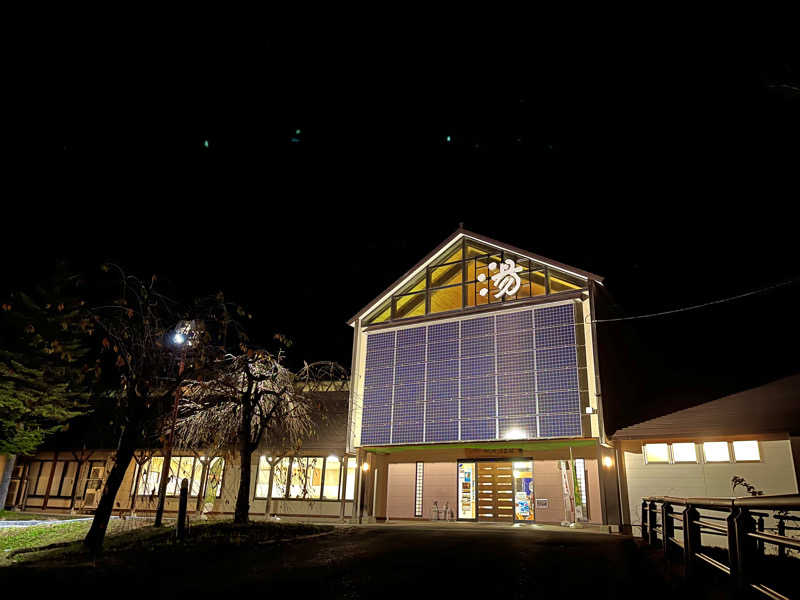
(770, 408)
(456, 236)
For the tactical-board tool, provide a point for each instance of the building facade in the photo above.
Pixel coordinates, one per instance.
(475, 394)
(697, 452)
(316, 481)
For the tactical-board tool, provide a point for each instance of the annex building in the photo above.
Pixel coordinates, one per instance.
(475, 393)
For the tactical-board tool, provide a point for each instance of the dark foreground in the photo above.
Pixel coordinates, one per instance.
(369, 562)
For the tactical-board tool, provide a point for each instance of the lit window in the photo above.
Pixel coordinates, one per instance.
(684, 452)
(262, 480)
(716, 452)
(656, 453)
(746, 450)
(418, 492)
(331, 491)
(351, 478)
(186, 467)
(314, 477)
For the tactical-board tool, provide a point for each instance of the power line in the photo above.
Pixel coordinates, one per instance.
(696, 306)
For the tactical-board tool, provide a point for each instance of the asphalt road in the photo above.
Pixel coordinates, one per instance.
(381, 562)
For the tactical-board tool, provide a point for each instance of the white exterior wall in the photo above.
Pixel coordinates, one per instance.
(773, 474)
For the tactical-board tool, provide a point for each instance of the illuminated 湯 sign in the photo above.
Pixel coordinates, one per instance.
(506, 280)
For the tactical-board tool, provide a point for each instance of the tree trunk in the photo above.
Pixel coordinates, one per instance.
(127, 446)
(241, 515)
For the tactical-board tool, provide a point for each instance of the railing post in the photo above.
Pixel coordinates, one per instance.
(741, 547)
(760, 528)
(691, 538)
(653, 524)
(644, 519)
(781, 531)
(667, 528)
(181, 524)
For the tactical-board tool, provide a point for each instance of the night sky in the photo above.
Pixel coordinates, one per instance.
(672, 174)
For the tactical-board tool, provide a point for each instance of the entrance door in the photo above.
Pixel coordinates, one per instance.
(495, 491)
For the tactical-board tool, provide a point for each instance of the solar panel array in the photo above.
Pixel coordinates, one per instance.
(503, 376)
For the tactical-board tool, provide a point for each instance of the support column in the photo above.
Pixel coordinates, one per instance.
(357, 496)
(5, 481)
(343, 486)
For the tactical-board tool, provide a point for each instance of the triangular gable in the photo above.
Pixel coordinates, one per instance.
(452, 286)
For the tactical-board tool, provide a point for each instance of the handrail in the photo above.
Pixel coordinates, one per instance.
(778, 501)
(745, 535)
(776, 539)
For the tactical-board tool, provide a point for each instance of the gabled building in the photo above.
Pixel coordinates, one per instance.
(475, 393)
(696, 452)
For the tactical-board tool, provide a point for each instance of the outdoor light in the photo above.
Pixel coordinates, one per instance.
(365, 467)
(514, 434)
(607, 462)
(179, 338)
(333, 458)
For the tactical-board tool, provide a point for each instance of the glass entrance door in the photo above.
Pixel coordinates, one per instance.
(523, 490)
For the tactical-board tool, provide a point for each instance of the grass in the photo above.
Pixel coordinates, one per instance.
(203, 538)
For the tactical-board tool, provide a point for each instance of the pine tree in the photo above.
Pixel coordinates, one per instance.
(44, 377)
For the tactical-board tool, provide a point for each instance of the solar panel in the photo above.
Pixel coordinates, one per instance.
(478, 429)
(441, 431)
(480, 378)
(477, 407)
(409, 373)
(514, 321)
(553, 316)
(522, 361)
(447, 350)
(564, 401)
(411, 337)
(442, 370)
(563, 425)
(518, 427)
(517, 341)
(515, 406)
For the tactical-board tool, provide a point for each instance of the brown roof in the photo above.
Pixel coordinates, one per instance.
(770, 408)
(481, 238)
(331, 423)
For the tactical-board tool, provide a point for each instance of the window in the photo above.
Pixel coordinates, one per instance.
(746, 451)
(216, 472)
(180, 468)
(44, 477)
(314, 477)
(332, 473)
(656, 453)
(281, 478)
(716, 452)
(33, 477)
(262, 479)
(455, 282)
(684, 452)
(418, 491)
(351, 478)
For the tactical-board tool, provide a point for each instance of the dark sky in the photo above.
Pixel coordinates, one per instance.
(673, 173)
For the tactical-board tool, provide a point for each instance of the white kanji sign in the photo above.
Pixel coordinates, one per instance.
(506, 280)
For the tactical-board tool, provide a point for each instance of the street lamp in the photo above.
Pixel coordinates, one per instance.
(180, 339)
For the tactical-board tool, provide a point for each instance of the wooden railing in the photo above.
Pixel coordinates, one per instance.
(745, 536)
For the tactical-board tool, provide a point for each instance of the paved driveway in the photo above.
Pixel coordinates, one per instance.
(453, 562)
(396, 561)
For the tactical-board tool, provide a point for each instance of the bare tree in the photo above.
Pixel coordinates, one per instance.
(251, 398)
(148, 364)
